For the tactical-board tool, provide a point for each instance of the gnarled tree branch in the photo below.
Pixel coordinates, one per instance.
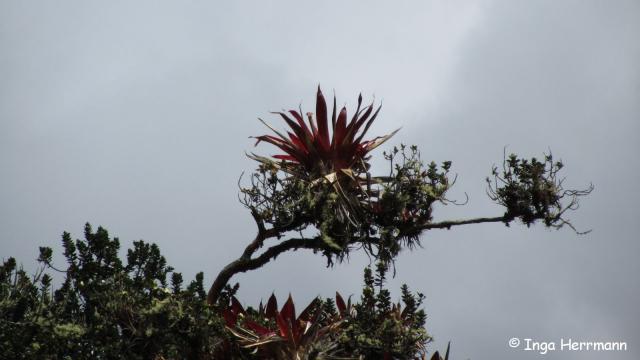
(387, 213)
(245, 262)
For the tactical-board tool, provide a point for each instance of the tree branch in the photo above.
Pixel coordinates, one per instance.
(264, 233)
(448, 224)
(244, 264)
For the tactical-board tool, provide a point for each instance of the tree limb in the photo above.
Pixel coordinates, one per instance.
(449, 223)
(244, 264)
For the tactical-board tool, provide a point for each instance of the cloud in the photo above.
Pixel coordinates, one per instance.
(136, 117)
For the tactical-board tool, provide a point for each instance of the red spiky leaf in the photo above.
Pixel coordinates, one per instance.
(305, 315)
(314, 150)
(340, 130)
(321, 117)
(342, 307)
(272, 307)
(356, 124)
(333, 113)
(366, 128)
(357, 113)
(230, 317)
(285, 157)
(288, 310)
(308, 135)
(283, 326)
(312, 123)
(257, 328)
(236, 307)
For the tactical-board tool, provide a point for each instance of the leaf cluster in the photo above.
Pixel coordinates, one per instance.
(531, 190)
(404, 202)
(104, 308)
(310, 150)
(141, 309)
(374, 328)
(377, 328)
(351, 209)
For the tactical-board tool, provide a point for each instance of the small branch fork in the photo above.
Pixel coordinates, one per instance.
(247, 262)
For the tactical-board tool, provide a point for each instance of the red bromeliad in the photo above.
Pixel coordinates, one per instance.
(280, 334)
(309, 149)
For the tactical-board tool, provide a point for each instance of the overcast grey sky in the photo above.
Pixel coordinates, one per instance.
(136, 116)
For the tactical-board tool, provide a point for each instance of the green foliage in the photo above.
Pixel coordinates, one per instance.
(104, 308)
(374, 328)
(378, 328)
(530, 190)
(107, 309)
(350, 208)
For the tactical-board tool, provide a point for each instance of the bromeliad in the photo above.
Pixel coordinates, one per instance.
(332, 158)
(312, 153)
(280, 334)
